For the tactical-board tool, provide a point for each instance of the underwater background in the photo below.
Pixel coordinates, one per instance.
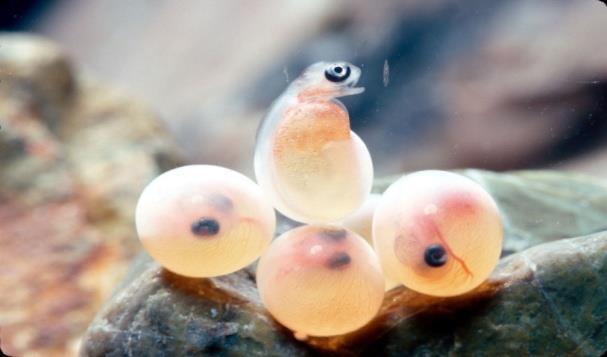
(119, 91)
(497, 85)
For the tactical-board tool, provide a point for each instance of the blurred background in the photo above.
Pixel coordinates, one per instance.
(499, 85)
(496, 85)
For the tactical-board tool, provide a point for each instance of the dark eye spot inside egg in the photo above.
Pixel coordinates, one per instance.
(338, 260)
(337, 73)
(221, 202)
(435, 255)
(205, 227)
(334, 234)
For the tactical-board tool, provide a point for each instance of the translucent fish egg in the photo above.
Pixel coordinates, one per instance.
(320, 280)
(361, 222)
(437, 233)
(204, 221)
(307, 160)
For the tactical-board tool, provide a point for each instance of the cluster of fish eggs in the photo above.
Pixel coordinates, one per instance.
(435, 232)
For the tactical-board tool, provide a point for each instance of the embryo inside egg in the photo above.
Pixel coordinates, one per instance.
(321, 280)
(438, 233)
(204, 221)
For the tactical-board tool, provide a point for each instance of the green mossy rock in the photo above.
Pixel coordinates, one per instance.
(547, 297)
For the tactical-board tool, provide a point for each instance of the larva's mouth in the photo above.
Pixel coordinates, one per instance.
(349, 88)
(352, 91)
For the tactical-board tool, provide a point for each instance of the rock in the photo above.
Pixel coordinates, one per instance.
(544, 298)
(37, 74)
(164, 314)
(547, 300)
(74, 156)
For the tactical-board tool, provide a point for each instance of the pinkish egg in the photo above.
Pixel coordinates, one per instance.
(437, 233)
(321, 280)
(204, 221)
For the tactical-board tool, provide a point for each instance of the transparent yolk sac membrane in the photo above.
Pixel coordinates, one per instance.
(309, 163)
(437, 233)
(204, 221)
(321, 280)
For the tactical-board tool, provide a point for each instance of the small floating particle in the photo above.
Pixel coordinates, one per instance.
(386, 73)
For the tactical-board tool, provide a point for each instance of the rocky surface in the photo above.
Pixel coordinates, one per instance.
(74, 155)
(542, 299)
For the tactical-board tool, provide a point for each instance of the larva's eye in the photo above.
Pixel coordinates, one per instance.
(337, 72)
(435, 255)
(320, 280)
(204, 221)
(205, 227)
(438, 233)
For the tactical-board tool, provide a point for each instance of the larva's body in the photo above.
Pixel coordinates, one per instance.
(437, 233)
(204, 221)
(307, 160)
(320, 280)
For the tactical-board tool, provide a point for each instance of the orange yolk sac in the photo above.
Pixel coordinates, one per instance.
(308, 162)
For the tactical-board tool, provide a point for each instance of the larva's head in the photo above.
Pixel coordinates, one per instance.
(321, 280)
(328, 80)
(438, 233)
(204, 221)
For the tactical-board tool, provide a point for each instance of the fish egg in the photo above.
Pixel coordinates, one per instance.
(204, 220)
(321, 280)
(361, 222)
(437, 233)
